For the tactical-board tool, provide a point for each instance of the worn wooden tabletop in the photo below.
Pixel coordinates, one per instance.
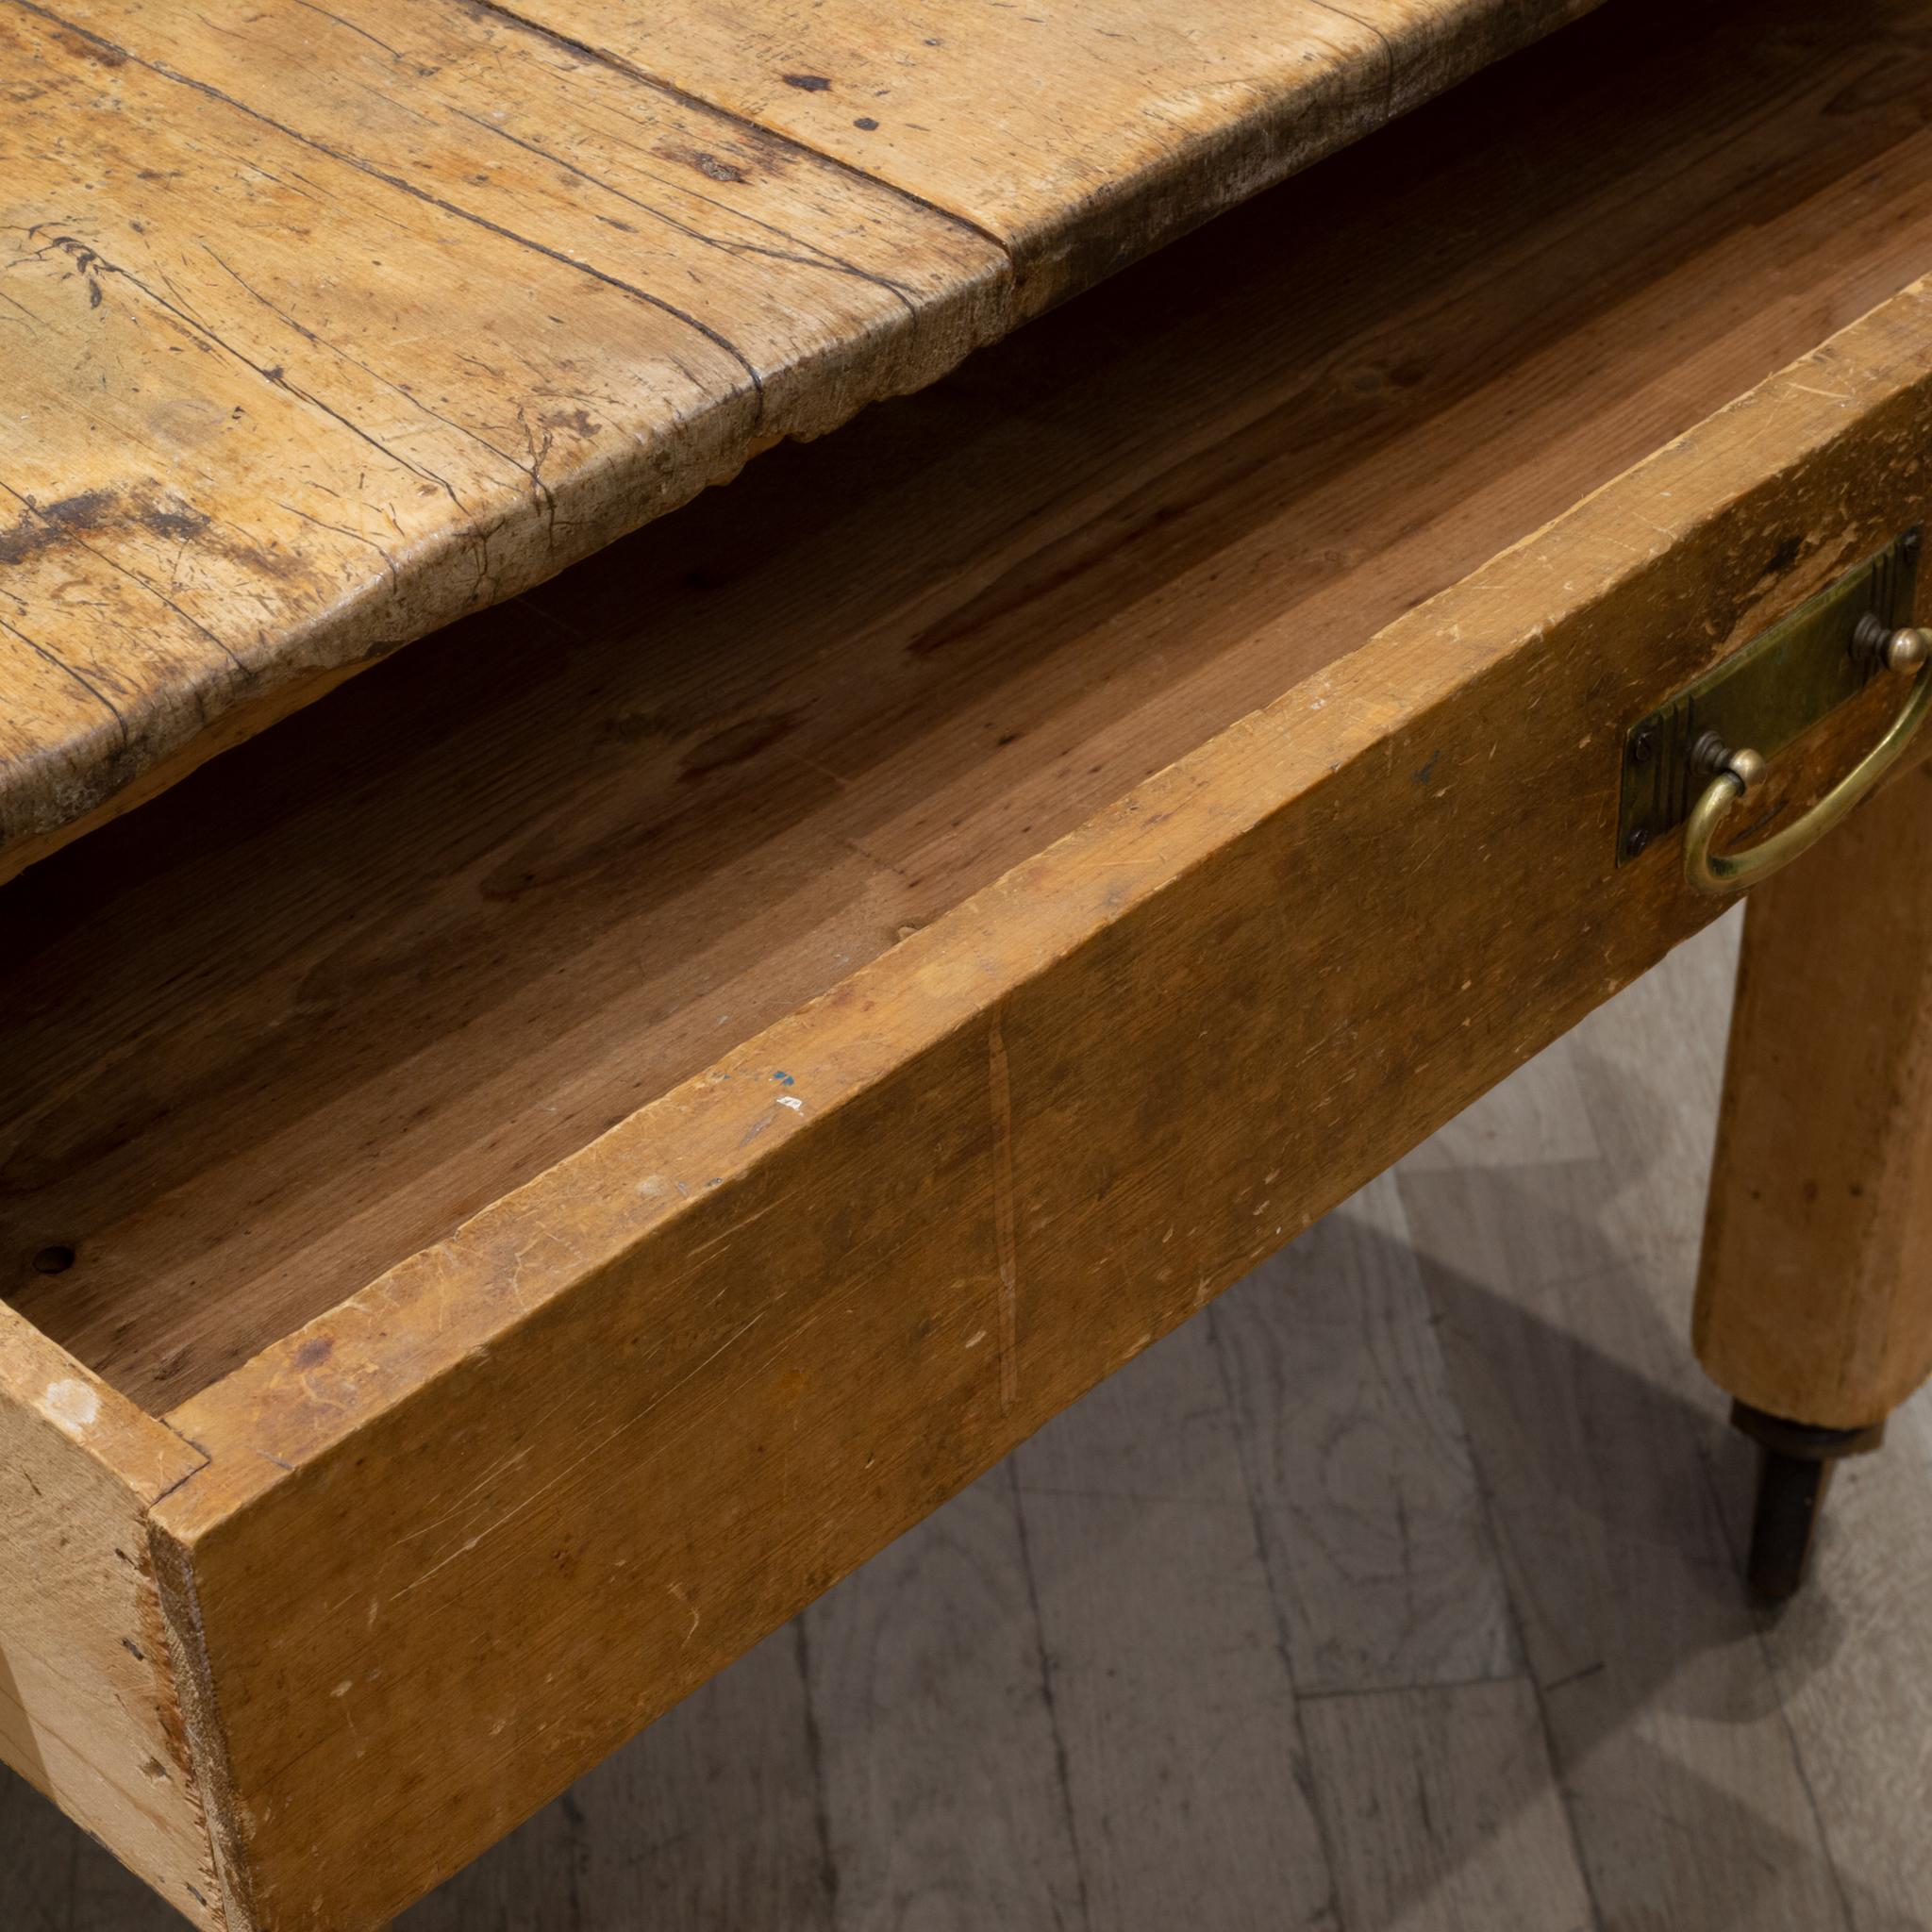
(324, 325)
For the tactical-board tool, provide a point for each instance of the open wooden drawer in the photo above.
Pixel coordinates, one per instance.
(515, 1181)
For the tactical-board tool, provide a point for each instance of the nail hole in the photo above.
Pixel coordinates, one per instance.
(57, 1259)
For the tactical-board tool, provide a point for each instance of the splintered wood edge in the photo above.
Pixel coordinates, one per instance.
(502, 1268)
(117, 1464)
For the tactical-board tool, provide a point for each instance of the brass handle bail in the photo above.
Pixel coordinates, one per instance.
(1735, 773)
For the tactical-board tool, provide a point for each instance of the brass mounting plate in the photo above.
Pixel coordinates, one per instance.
(1776, 688)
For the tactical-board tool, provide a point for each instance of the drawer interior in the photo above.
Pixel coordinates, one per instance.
(297, 1019)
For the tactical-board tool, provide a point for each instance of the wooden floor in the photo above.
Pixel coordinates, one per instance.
(1398, 1591)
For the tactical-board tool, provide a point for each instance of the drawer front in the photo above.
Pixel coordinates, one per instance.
(463, 1535)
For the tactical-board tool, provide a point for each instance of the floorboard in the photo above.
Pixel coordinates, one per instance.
(1442, 1812)
(1168, 1657)
(1357, 1461)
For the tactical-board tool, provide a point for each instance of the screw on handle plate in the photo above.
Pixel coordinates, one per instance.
(1736, 773)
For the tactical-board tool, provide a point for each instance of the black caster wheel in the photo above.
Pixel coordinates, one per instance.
(1793, 1474)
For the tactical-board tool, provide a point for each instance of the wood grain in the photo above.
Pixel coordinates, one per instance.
(364, 319)
(1815, 1296)
(358, 321)
(1149, 121)
(1468, 1760)
(88, 1706)
(311, 1013)
(528, 1413)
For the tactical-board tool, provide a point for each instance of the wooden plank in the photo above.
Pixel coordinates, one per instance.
(253, 449)
(893, 1235)
(932, 1659)
(1815, 1296)
(1442, 1811)
(1165, 1662)
(87, 1709)
(1365, 1491)
(604, 830)
(367, 319)
(1148, 120)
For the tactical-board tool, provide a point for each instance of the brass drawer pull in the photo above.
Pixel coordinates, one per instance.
(1737, 772)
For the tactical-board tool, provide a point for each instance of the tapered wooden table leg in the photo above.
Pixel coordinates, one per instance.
(1814, 1301)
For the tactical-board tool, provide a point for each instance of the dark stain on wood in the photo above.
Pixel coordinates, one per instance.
(45, 526)
(736, 744)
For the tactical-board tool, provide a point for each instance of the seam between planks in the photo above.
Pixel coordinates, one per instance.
(685, 97)
(349, 158)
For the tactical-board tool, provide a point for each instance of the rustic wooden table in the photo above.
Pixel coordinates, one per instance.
(520, 1177)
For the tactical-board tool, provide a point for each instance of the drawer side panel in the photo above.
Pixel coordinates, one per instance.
(87, 1712)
